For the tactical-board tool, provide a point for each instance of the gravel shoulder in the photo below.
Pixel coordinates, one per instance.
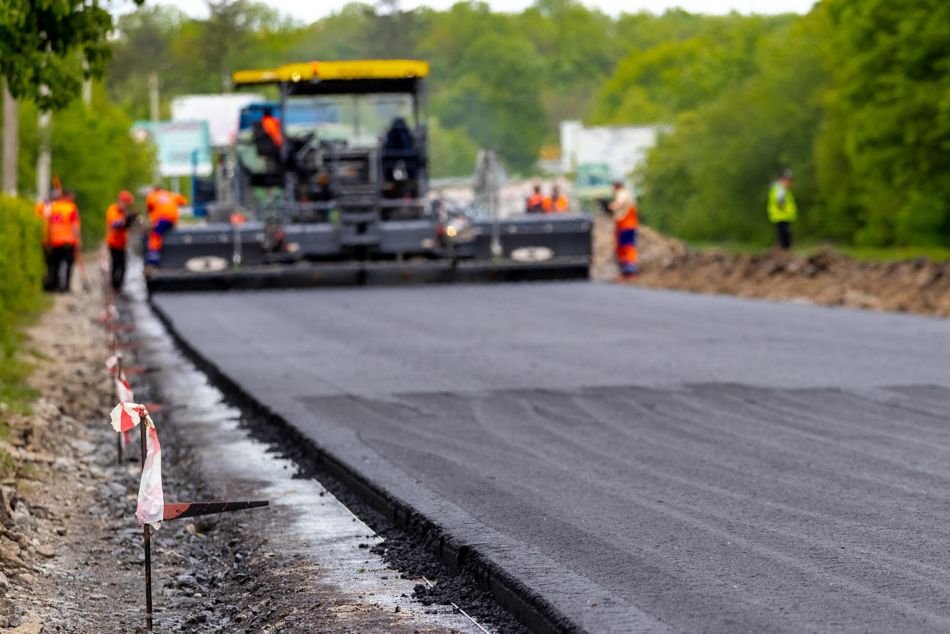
(71, 555)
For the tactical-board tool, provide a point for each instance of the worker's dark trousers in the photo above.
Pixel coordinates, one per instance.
(117, 271)
(48, 276)
(59, 268)
(784, 231)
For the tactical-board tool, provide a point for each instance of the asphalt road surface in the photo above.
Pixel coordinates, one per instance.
(644, 460)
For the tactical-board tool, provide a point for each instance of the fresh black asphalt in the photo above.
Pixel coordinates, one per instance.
(644, 460)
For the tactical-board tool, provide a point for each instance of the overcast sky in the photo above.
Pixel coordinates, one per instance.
(310, 10)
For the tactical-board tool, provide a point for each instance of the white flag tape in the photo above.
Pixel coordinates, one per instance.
(151, 502)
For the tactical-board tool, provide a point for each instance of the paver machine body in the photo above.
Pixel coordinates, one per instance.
(343, 197)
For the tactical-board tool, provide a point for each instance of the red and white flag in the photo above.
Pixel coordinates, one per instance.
(112, 363)
(108, 314)
(123, 390)
(151, 503)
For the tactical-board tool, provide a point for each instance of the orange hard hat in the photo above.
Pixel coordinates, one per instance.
(126, 197)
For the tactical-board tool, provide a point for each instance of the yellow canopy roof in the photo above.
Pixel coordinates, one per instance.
(356, 69)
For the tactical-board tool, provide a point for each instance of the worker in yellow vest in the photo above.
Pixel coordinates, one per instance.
(782, 209)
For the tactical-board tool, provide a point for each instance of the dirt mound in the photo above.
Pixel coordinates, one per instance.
(825, 277)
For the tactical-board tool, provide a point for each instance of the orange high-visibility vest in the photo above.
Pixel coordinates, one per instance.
(555, 205)
(535, 203)
(163, 205)
(62, 223)
(627, 225)
(117, 236)
(271, 126)
(43, 209)
(629, 220)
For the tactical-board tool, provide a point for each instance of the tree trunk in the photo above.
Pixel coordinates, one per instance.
(154, 114)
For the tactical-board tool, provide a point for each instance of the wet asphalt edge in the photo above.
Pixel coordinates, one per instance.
(370, 501)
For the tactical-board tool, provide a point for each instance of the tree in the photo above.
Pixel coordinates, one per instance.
(48, 47)
(578, 50)
(143, 46)
(883, 150)
(496, 99)
(707, 180)
(655, 84)
(93, 154)
(451, 151)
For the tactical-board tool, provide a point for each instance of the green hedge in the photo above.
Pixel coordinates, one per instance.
(21, 267)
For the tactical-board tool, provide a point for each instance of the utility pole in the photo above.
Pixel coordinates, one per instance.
(44, 159)
(153, 106)
(11, 129)
(153, 97)
(86, 87)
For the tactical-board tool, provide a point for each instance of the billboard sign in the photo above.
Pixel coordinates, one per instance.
(184, 147)
(221, 112)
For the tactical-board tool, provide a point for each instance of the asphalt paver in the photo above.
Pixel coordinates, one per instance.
(643, 460)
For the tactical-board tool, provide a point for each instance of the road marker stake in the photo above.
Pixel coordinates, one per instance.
(181, 510)
(151, 510)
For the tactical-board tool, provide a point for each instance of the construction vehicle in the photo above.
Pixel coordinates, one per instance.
(342, 199)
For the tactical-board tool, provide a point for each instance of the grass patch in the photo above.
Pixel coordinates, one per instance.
(896, 254)
(17, 362)
(7, 465)
(16, 396)
(729, 248)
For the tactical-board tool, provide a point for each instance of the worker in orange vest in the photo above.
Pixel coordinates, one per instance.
(163, 212)
(119, 217)
(556, 202)
(535, 204)
(62, 239)
(626, 223)
(271, 126)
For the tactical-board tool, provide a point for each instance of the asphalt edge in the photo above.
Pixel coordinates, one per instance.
(524, 604)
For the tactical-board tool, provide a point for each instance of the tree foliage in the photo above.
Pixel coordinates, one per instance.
(655, 83)
(21, 261)
(884, 151)
(707, 179)
(502, 80)
(852, 97)
(48, 47)
(451, 151)
(93, 155)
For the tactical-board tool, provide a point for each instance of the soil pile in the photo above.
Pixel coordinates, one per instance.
(824, 277)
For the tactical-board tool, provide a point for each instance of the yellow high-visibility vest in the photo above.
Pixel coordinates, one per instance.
(782, 206)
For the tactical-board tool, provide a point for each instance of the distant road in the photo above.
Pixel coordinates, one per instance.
(643, 460)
